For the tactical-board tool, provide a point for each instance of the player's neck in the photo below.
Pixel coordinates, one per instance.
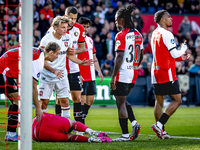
(163, 26)
(56, 35)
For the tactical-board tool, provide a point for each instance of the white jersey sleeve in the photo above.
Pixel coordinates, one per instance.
(50, 30)
(168, 39)
(37, 66)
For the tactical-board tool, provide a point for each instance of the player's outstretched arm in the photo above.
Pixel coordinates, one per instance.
(78, 61)
(96, 65)
(38, 110)
(118, 63)
(81, 48)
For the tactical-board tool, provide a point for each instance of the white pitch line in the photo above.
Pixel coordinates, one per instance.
(178, 137)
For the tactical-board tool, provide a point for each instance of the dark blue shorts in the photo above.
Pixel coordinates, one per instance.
(89, 88)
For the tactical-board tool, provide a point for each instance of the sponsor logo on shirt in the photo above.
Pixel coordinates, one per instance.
(91, 41)
(62, 52)
(65, 40)
(74, 42)
(172, 41)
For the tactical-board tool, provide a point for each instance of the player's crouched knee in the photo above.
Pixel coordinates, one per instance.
(179, 102)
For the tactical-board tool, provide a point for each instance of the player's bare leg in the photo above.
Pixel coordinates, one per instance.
(176, 102)
(76, 98)
(65, 109)
(158, 106)
(44, 104)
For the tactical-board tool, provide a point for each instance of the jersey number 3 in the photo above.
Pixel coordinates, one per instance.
(135, 56)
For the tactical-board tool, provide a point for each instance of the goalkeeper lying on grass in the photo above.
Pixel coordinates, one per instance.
(53, 128)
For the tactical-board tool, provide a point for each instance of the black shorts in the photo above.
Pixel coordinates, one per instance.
(168, 88)
(122, 89)
(75, 81)
(11, 85)
(89, 88)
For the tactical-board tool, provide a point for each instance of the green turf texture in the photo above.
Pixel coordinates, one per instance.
(184, 123)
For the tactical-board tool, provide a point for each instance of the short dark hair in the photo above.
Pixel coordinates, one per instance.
(52, 46)
(71, 9)
(158, 15)
(84, 20)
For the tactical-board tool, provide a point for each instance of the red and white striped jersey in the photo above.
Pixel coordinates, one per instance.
(77, 34)
(163, 67)
(131, 43)
(9, 63)
(87, 72)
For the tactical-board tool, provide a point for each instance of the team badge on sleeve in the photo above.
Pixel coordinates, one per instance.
(83, 34)
(66, 44)
(117, 44)
(172, 41)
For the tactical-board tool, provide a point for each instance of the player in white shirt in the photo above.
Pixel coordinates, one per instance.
(77, 33)
(54, 74)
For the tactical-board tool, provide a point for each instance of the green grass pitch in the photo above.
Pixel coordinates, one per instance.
(183, 126)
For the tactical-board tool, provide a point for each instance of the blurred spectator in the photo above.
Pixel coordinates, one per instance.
(91, 4)
(39, 5)
(107, 69)
(180, 68)
(88, 13)
(6, 24)
(36, 16)
(97, 25)
(37, 37)
(119, 6)
(1, 51)
(103, 35)
(185, 26)
(191, 46)
(13, 4)
(100, 14)
(110, 15)
(13, 41)
(147, 70)
(48, 13)
(104, 9)
(100, 53)
(43, 25)
(195, 68)
(181, 9)
(136, 17)
(113, 29)
(171, 8)
(148, 49)
(193, 9)
(62, 9)
(197, 41)
(11, 18)
(195, 35)
(41, 2)
(109, 44)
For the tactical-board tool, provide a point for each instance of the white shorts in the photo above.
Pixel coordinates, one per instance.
(61, 88)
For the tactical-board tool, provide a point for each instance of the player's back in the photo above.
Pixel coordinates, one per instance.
(163, 66)
(129, 41)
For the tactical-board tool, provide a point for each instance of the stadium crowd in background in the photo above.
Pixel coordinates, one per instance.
(103, 30)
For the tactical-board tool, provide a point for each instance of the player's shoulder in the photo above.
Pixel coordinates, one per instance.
(164, 32)
(121, 34)
(89, 39)
(77, 25)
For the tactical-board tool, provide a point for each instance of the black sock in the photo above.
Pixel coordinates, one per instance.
(9, 115)
(87, 107)
(124, 125)
(13, 119)
(58, 109)
(83, 114)
(78, 112)
(163, 127)
(131, 116)
(163, 119)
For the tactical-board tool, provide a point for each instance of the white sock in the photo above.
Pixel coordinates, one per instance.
(125, 135)
(8, 133)
(159, 124)
(65, 112)
(88, 130)
(44, 110)
(133, 123)
(12, 134)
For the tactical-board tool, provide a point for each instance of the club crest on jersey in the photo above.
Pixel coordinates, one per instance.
(41, 93)
(91, 41)
(76, 33)
(15, 87)
(118, 43)
(66, 44)
(83, 34)
(172, 41)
